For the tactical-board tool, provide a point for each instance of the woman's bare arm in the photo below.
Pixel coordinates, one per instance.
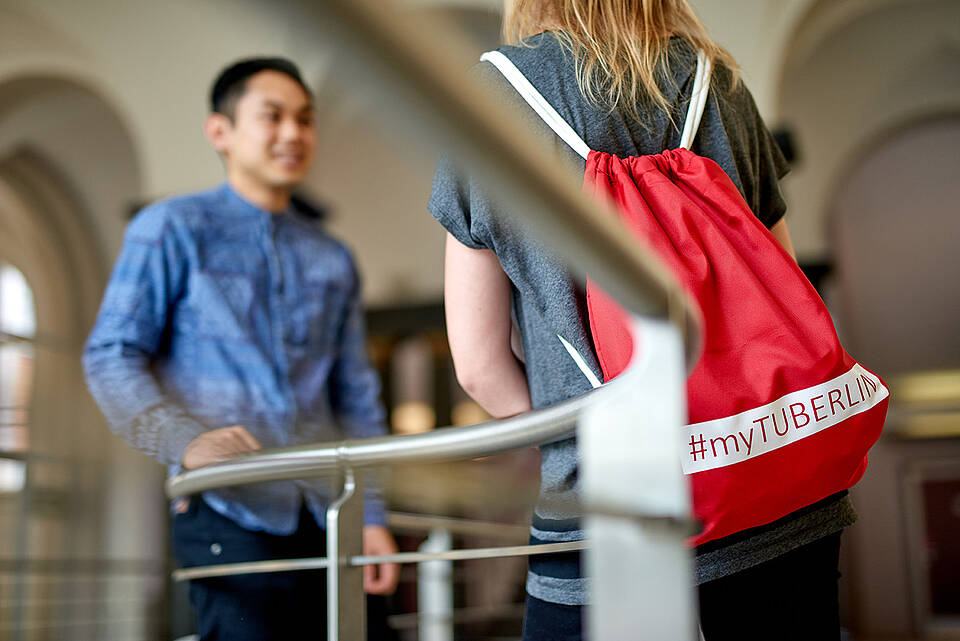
(477, 300)
(782, 234)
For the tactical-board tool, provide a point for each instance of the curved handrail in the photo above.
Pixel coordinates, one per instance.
(325, 459)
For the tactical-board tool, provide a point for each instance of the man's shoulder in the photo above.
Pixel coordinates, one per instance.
(186, 212)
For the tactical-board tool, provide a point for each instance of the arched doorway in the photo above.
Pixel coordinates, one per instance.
(851, 72)
(895, 224)
(68, 175)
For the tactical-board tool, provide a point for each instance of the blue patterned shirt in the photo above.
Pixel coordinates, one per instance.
(219, 313)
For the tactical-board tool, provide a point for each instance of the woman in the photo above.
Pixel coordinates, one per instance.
(620, 72)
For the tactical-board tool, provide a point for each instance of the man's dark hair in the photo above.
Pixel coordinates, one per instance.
(229, 86)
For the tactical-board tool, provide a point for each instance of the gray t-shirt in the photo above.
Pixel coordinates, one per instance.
(548, 302)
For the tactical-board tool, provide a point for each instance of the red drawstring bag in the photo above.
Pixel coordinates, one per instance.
(780, 415)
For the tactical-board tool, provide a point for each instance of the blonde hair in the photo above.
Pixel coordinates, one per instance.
(620, 45)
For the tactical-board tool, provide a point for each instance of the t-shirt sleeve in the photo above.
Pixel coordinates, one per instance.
(770, 166)
(459, 201)
(450, 203)
(739, 140)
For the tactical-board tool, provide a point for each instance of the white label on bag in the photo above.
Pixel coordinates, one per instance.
(794, 416)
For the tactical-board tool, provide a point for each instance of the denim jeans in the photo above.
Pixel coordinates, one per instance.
(284, 606)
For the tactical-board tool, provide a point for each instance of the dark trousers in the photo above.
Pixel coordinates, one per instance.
(790, 598)
(259, 607)
(545, 621)
(793, 597)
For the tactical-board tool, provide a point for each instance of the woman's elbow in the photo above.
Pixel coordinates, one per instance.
(471, 380)
(484, 381)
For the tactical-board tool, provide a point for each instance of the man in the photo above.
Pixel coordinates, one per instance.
(229, 324)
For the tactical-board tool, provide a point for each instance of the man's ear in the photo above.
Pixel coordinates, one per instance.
(217, 130)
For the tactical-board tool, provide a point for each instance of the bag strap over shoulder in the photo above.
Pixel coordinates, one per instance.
(536, 101)
(698, 101)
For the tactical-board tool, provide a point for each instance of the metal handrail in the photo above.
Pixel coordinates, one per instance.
(328, 459)
(322, 562)
(399, 521)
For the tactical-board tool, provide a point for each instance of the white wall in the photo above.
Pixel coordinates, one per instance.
(83, 141)
(757, 33)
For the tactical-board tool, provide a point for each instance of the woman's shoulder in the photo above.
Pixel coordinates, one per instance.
(541, 53)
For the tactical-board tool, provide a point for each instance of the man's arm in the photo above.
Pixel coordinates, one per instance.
(354, 383)
(355, 396)
(219, 445)
(148, 279)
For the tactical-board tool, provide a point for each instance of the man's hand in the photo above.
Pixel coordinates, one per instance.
(219, 445)
(382, 578)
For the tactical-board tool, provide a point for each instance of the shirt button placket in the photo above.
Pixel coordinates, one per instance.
(279, 317)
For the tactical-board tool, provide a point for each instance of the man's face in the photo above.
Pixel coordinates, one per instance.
(271, 141)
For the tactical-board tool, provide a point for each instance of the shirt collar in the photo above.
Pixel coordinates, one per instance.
(237, 205)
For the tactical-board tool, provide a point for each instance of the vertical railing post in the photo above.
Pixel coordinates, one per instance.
(346, 603)
(435, 589)
(637, 497)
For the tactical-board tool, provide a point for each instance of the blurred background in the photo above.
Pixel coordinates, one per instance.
(101, 105)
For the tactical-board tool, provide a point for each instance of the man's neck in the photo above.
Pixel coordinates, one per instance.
(271, 199)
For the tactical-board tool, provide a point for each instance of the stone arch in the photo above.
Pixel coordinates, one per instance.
(850, 71)
(85, 144)
(891, 224)
(69, 174)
